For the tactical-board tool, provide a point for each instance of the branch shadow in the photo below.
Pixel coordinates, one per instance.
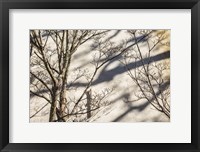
(108, 75)
(142, 107)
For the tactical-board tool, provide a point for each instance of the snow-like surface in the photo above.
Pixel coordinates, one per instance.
(111, 76)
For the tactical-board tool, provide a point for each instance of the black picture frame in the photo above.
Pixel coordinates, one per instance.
(5, 5)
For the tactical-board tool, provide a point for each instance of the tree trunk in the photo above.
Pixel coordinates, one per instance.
(63, 89)
(54, 102)
(63, 102)
(88, 94)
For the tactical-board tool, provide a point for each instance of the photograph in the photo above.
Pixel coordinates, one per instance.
(99, 75)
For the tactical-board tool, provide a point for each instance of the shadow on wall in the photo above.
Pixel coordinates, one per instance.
(108, 75)
(141, 107)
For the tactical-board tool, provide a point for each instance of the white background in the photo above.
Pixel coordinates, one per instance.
(177, 131)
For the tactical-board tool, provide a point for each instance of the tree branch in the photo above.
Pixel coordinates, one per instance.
(41, 81)
(39, 111)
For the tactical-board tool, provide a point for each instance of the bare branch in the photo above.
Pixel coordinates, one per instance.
(39, 111)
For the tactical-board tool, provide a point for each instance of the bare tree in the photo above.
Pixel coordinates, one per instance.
(50, 67)
(151, 77)
(51, 54)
